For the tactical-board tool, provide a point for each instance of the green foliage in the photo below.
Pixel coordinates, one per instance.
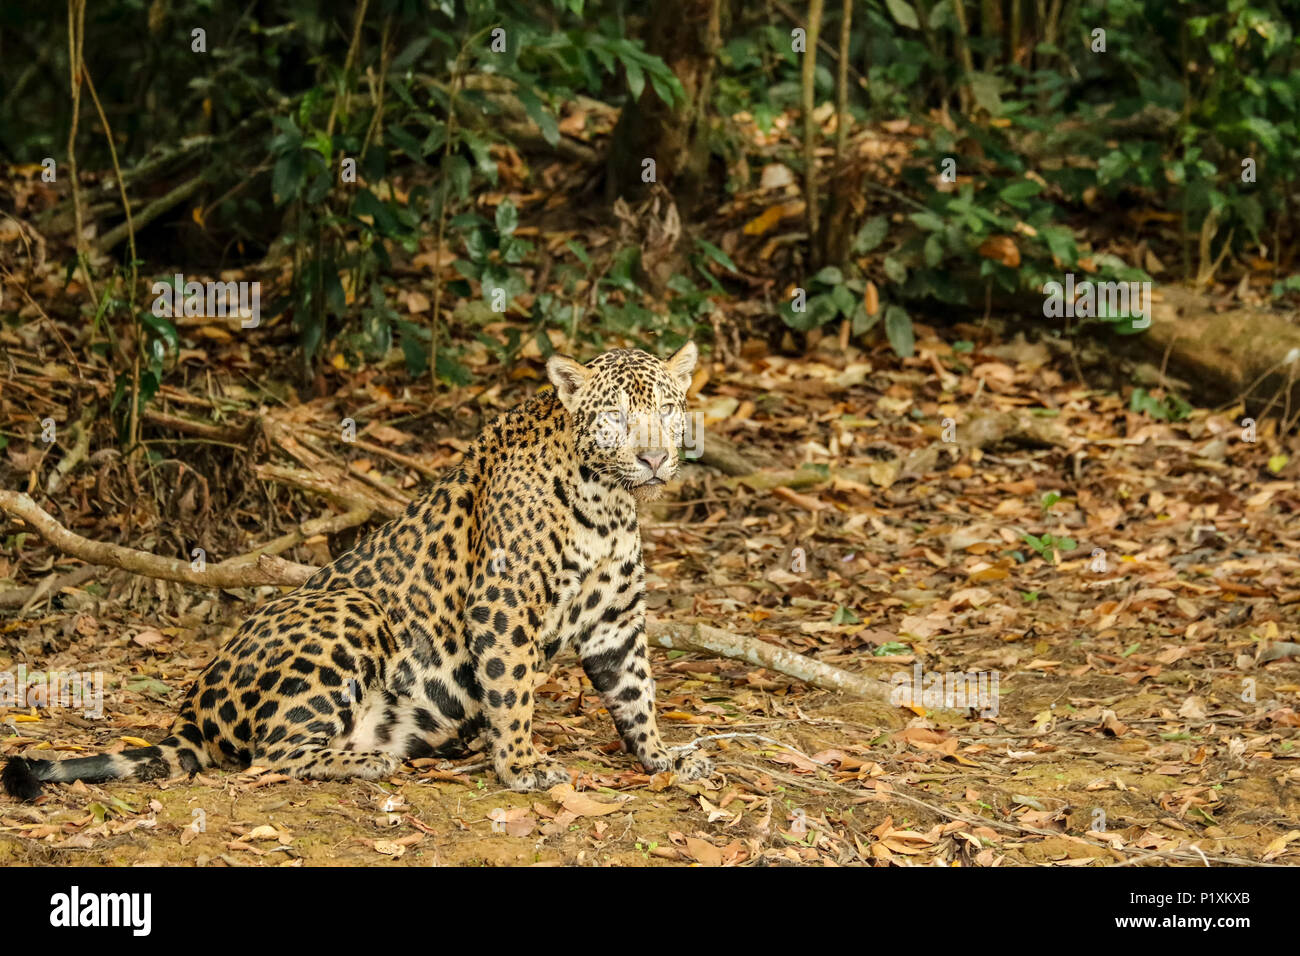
(1048, 545)
(1168, 117)
(844, 615)
(1169, 408)
(277, 72)
(891, 649)
(1049, 138)
(829, 297)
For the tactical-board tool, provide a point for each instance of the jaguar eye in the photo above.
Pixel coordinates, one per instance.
(667, 411)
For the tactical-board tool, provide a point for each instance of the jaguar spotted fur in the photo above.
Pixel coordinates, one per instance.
(426, 638)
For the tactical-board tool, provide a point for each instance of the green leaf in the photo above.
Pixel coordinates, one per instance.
(928, 221)
(667, 87)
(162, 327)
(1112, 167)
(831, 275)
(507, 217)
(844, 615)
(544, 344)
(987, 89)
(862, 322)
(1016, 194)
(1060, 243)
(456, 169)
(481, 147)
(334, 295)
(819, 310)
(716, 254)
(903, 14)
(844, 300)
(367, 203)
(412, 53)
(580, 252)
(933, 250)
(538, 113)
(405, 142)
(321, 144)
(451, 371)
(415, 346)
(871, 235)
(476, 245)
(149, 686)
(288, 176)
(635, 77)
(1143, 402)
(319, 187)
(898, 329)
(1263, 131)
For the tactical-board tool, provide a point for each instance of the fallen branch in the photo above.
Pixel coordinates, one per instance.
(335, 485)
(249, 571)
(329, 524)
(715, 642)
(983, 429)
(795, 478)
(50, 584)
(233, 434)
(150, 212)
(80, 431)
(268, 569)
(406, 461)
(724, 455)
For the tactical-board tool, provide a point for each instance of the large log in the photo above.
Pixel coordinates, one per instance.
(1230, 354)
(1243, 352)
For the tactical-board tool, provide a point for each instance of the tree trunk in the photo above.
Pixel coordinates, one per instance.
(686, 34)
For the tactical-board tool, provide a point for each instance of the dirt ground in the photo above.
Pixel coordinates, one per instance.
(1131, 583)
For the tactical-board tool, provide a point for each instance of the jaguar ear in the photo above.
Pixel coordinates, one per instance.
(681, 364)
(567, 375)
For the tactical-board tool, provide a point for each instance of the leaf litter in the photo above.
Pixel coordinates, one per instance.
(1132, 582)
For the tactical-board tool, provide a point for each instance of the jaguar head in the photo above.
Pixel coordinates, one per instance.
(629, 414)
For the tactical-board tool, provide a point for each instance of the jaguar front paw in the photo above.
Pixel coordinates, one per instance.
(541, 774)
(691, 765)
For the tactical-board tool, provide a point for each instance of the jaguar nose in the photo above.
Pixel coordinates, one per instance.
(653, 459)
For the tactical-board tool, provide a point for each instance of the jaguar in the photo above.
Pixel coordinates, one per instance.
(428, 637)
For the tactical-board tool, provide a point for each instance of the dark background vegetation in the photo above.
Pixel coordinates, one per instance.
(1057, 148)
